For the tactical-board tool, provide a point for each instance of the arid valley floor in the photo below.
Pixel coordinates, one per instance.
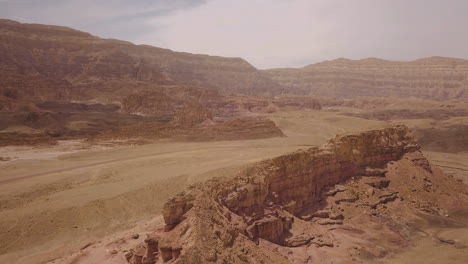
(56, 200)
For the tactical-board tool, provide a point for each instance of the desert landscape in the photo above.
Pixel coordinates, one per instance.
(112, 152)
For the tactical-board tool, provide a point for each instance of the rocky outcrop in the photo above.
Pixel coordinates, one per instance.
(194, 124)
(169, 99)
(192, 115)
(432, 78)
(296, 181)
(301, 199)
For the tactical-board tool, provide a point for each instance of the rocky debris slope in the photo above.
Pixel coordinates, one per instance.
(357, 198)
(85, 85)
(46, 127)
(44, 122)
(431, 78)
(193, 115)
(168, 100)
(197, 128)
(195, 123)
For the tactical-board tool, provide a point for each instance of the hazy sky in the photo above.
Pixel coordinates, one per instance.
(267, 33)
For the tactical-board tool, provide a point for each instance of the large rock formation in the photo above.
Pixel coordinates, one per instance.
(85, 85)
(192, 126)
(343, 202)
(58, 63)
(168, 100)
(430, 78)
(192, 115)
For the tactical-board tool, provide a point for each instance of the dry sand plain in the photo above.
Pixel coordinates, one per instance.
(58, 200)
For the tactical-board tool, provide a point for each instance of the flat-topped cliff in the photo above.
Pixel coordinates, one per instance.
(430, 78)
(326, 203)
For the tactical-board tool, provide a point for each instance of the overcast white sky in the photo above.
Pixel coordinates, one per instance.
(267, 33)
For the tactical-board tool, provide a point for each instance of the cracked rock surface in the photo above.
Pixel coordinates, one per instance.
(355, 199)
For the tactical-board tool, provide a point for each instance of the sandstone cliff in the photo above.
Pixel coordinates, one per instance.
(58, 63)
(347, 201)
(59, 76)
(431, 78)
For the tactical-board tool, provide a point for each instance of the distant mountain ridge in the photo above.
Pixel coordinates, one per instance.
(59, 63)
(437, 78)
(40, 62)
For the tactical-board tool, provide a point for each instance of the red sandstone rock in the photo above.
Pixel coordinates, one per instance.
(233, 220)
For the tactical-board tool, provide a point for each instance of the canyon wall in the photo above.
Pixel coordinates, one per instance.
(58, 63)
(225, 219)
(431, 78)
(59, 74)
(42, 62)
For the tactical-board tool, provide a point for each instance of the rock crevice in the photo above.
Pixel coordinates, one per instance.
(226, 219)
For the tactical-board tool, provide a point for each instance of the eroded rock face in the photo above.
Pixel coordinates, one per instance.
(295, 181)
(196, 126)
(430, 78)
(50, 63)
(59, 63)
(167, 100)
(292, 206)
(192, 115)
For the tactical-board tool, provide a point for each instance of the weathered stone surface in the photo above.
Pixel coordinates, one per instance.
(192, 128)
(296, 200)
(429, 78)
(271, 227)
(378, 183)
(67, 64)
(192, 115)
(175, 209)
(261, 198)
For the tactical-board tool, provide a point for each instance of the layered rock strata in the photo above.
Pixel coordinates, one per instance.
(430, 78)
(58, 63)
(286, 209)
(195, 126)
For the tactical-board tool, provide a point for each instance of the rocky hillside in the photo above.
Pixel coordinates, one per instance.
(431, 78)
(56, 63)
(356, 199)
(42, 62)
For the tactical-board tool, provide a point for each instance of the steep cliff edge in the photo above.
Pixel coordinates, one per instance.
(430, 78)
(352, 199)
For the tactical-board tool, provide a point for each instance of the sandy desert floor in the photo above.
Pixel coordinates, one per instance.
(56, 200)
